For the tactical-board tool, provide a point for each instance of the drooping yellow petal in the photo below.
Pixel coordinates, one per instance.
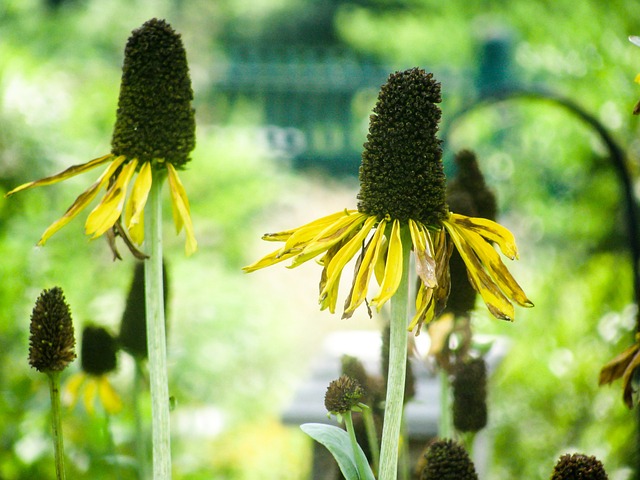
(346, 253)
(424, 305)
(496, 302)
(393, 268)
(72, 387)
(381, 261)
(362, 276)
(109, 209)
(498, 271)
(136, 231)
(138, 198)
(81, 201)
(490, 230)
(68, 173)
(329, 298)
(108, 397)
(317, 226)
(425, 264)
(341, 229)
(181, 210)
(90, 390)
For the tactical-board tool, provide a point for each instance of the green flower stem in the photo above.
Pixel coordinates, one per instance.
(56, 423)
(445, 422)
(156, 339)
(348, 421)
(397, 369)
(141, 437)
(372, 437)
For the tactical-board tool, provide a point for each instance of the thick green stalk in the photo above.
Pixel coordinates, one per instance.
(56, 423)
(397, 369)
(156, 338)
(372, 438)
(141, 436)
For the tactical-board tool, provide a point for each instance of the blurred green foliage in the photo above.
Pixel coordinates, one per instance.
(234, 348)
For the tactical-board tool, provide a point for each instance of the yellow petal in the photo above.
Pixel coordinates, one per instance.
(330, 296)
(136, 231)
(424, 307)
(138, 196)
(68, 173)
(490, 230)
(498, 271)
(108, 397)
(317, 225)
(366, 267)
(496, 302)
(109, 209)
(393, 268)
(425, 264)
(181, 210)
(346, 253)
(341, 229)
(381, 261)
(82, 201)
(72, 387)
(90, 391)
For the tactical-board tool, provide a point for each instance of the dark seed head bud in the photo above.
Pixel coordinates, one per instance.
(401, 173)
(578, 466)
(470, 396)
(133, 327)
(52, 342)
(342, 395)
(155, 120)
(468, 195)
(98, 351)
(447, 460)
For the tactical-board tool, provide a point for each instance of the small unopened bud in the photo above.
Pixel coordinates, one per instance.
(470, 396)
(580, 466)
(447, 460)
(98, 351)
(342, 395)
(51, 342)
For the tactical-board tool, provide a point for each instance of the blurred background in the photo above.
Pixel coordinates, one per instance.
(283, 90)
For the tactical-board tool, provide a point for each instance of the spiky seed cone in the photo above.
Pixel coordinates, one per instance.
(401, 174)
(98, 351)
(578, 467)
(342, 395)
(155, 120)
(470, 396)
(447, 460)
(133, 327)
(51, 341)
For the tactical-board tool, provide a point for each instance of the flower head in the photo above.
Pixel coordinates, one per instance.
(52, 342)
(98, 358)
(342, 395)
(402, 201)
(447, 460)
(153, 136)
(470, 395)
(578, 466)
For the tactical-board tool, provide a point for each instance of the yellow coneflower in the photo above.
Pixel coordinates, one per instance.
(152, 138)
(402, 195)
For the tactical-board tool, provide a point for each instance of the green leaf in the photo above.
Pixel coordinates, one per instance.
(338, 443)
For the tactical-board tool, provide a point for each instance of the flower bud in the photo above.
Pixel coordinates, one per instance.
(578, 466)
(342, 395)
(51, 341)
(447, 460)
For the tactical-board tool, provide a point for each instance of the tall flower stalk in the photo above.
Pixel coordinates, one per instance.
(402, 208)
(153, 137)
(51, 350)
